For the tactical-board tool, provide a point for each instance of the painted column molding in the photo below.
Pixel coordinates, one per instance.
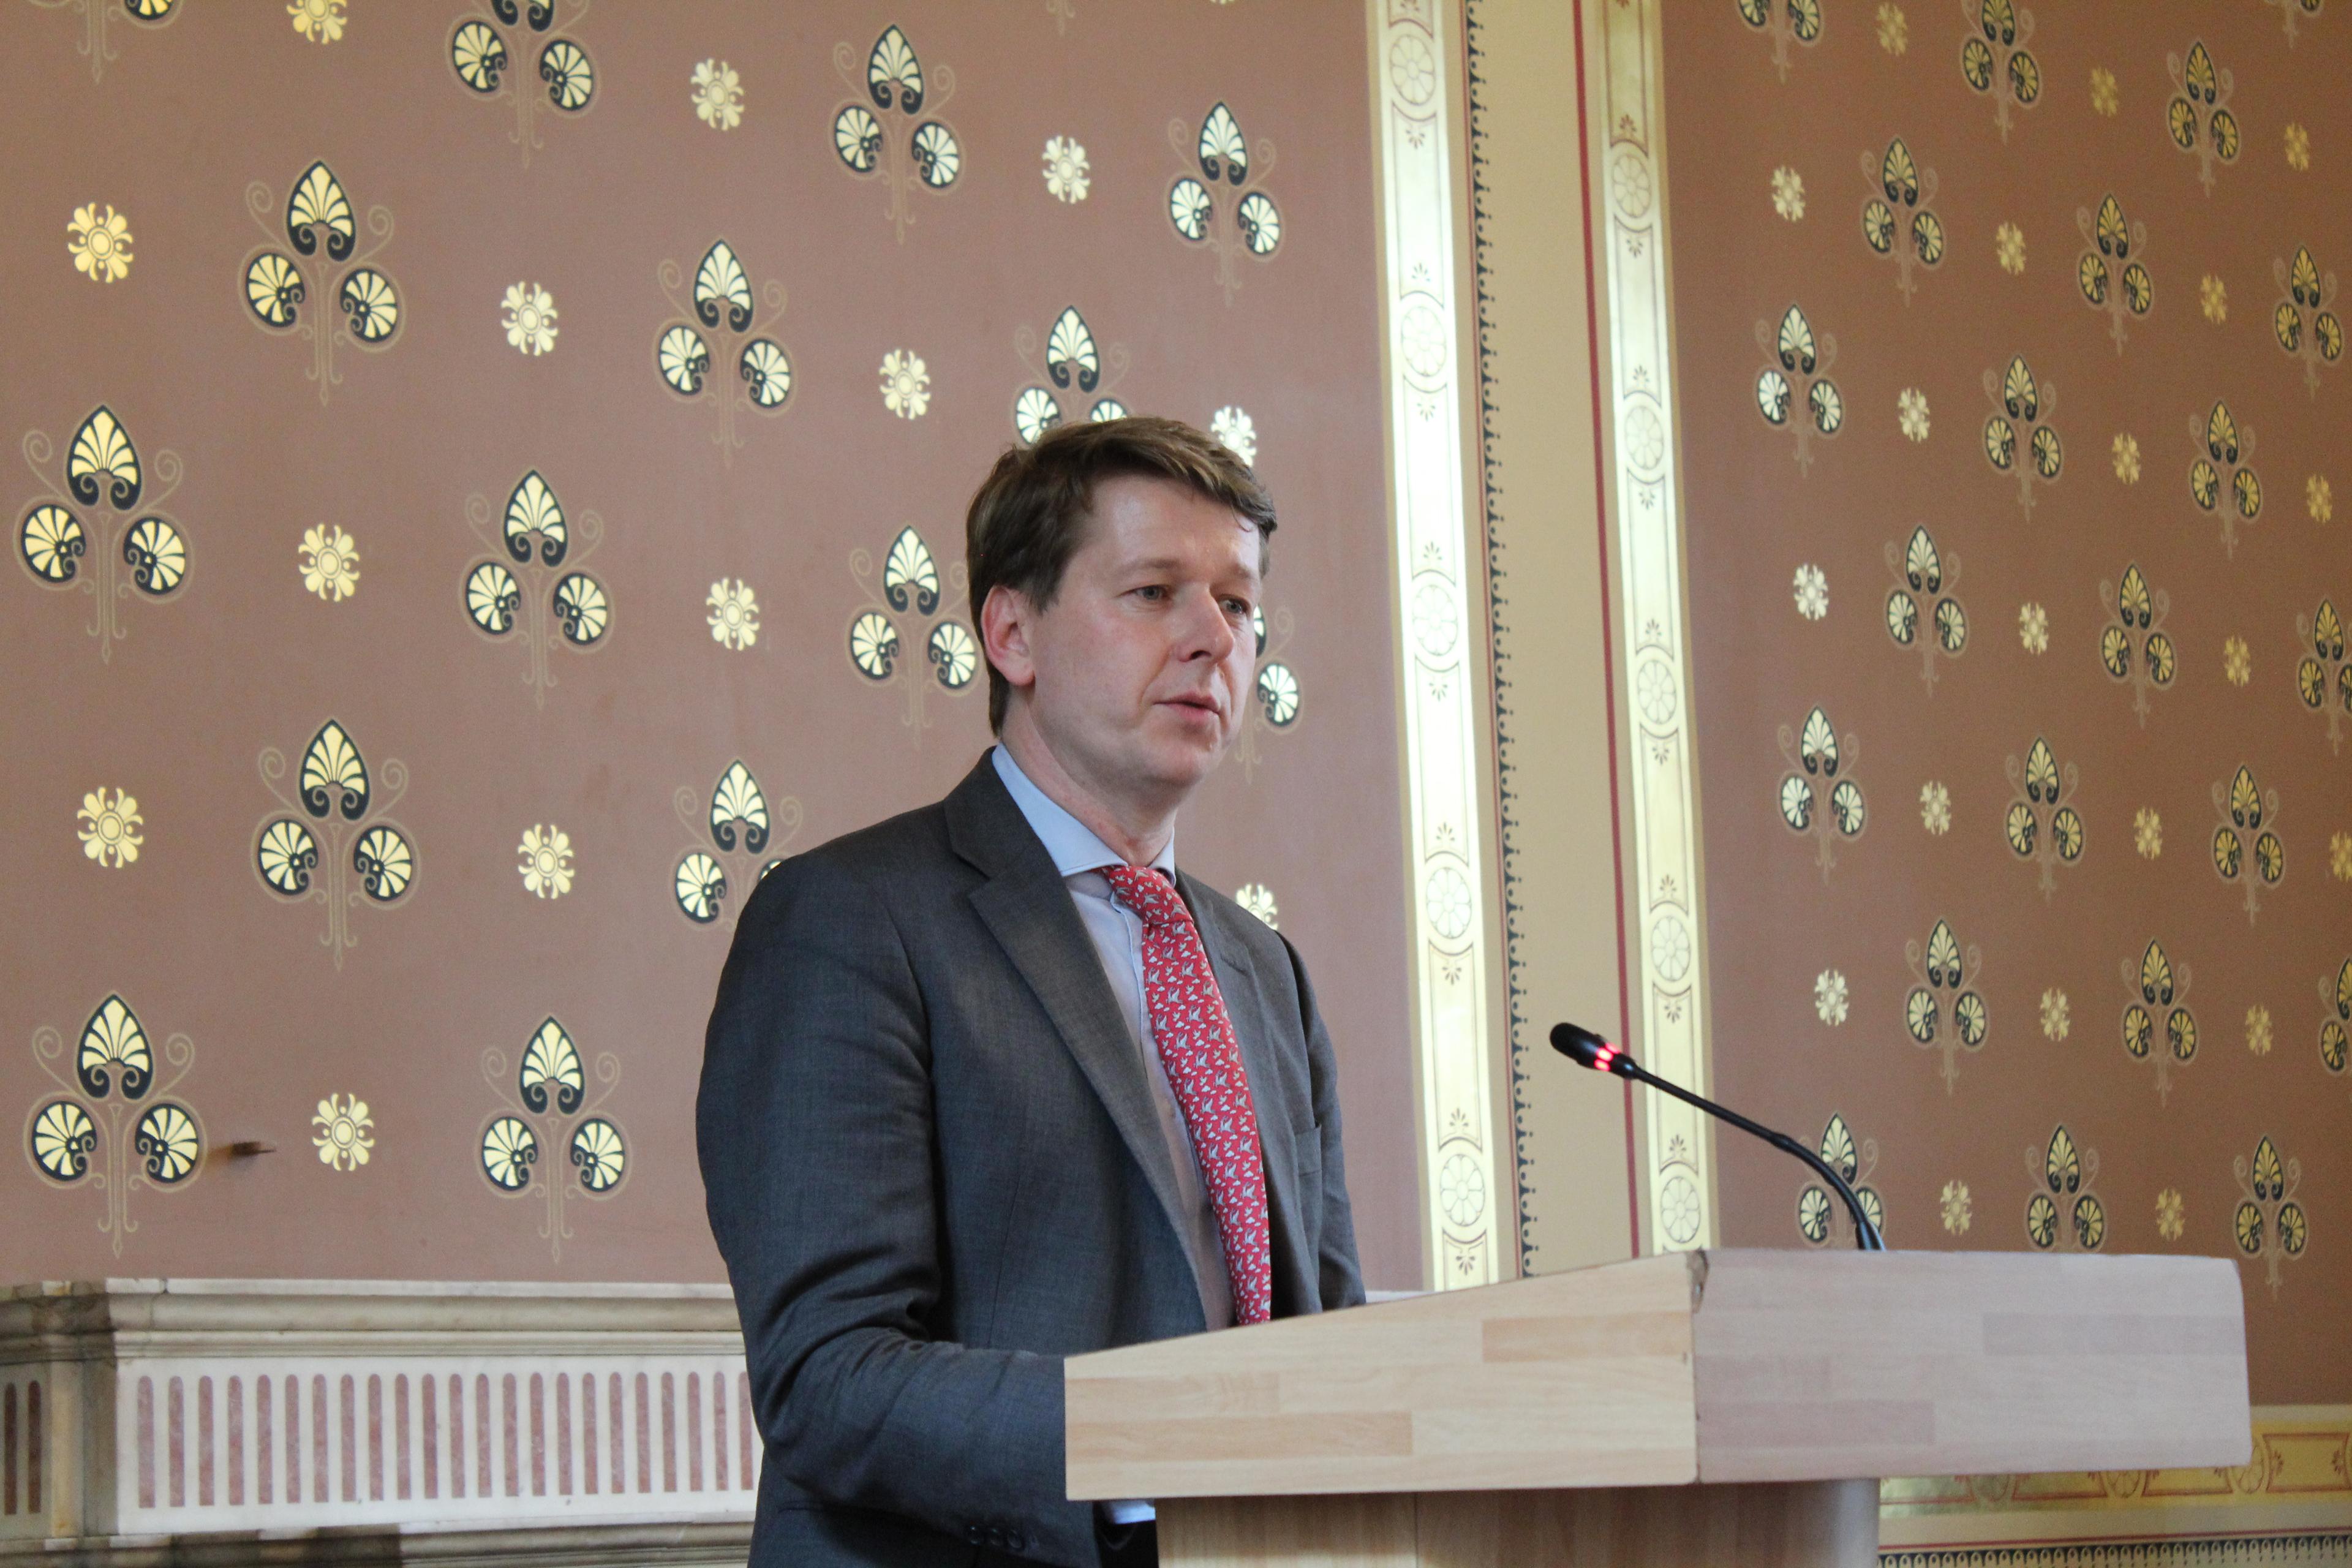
(1665, 913)
(1416, 52)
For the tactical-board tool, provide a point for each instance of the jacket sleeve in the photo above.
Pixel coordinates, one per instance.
(814, 1129)
(1340, 1280)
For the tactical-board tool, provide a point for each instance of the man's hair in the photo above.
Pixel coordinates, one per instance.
(1030, 515)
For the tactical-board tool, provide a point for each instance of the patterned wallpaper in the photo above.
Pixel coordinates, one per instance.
(2010, 349)
(492, 482)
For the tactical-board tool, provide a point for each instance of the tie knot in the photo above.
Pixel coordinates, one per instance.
(1148, 893)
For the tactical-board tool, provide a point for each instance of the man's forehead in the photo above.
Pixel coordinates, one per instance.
(1177, 527)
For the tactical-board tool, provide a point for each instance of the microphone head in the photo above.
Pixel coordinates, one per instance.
(1585, 1048)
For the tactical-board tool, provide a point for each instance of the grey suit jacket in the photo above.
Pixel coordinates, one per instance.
(932, 1162)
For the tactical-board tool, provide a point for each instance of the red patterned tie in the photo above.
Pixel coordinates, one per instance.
(1204, 1058)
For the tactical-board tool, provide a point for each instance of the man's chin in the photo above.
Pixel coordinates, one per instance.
(1182, 761)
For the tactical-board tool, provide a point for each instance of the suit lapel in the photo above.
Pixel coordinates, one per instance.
(1026, 907)
(1245, 1004)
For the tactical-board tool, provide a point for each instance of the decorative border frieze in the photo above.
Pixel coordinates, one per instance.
(1416, 58)
(2290, 1502)
(1641, 437)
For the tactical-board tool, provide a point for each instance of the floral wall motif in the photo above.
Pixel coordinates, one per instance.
(543, 559)
(104, 1121)
(2139, 205)
(95, 528)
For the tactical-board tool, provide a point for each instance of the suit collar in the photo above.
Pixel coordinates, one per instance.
(986, 828)
(1026, 906)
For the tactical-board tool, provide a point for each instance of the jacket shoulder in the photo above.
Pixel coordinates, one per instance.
(911, 846)
(910, 839)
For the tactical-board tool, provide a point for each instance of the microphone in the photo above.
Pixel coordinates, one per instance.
(1587, 1049)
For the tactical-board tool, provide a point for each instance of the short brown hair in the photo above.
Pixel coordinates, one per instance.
(1029, 516)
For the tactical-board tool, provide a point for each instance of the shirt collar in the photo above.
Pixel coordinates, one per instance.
(1071, 843)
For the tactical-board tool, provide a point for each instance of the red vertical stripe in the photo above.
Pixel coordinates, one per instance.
(718, 1431)
(482, 1433)
(266, 1468)
(563, 1432)
(456, 1437)
(743, 1425)
(349, 1410)
(204, 1443)
(669, 1433)
(236, 1442)
(176, 1436)
(512, 1439)
(617, 1416)
(319, 1482)
(429, 1386)
(293, 1388)
(33, 1439)
(645, 1436)
(538, 1434)
(588, 1432)
(375, 1436)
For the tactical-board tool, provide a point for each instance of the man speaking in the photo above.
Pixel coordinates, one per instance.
(993, 1083)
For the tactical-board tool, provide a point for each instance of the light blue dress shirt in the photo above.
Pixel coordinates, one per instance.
(1118, 935)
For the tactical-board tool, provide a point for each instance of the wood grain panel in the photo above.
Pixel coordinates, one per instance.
(1813, 1365)
(1375, 1532)
(1578, 1379)
(1815, 1524)
(1722, 1366)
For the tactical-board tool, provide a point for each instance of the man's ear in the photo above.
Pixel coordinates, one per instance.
(1006, 618)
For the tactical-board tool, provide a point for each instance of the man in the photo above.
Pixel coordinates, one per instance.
(991, 1083)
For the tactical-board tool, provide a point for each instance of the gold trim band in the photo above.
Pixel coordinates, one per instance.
(1640, 432)
(1415, 54)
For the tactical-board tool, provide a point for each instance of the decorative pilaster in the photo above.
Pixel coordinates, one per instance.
(1663, 905)
(1416, 54)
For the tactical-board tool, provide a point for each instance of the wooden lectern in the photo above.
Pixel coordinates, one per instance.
(1707, 1407)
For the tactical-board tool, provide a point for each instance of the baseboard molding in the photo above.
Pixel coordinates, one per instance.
(622, 1545)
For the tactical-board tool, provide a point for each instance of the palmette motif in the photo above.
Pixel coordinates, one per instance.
(539, 68)
(891, 128)
(1994, 60)
(99, 531)
(111, 1125)
(1220, 216)
(1789, 23)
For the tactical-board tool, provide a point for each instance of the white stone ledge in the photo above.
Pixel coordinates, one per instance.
(648, 1544)
(173, 1413)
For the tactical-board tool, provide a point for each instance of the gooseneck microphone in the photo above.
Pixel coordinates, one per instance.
(1585, 1048)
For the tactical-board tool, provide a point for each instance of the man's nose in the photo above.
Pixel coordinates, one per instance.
(1206, 631)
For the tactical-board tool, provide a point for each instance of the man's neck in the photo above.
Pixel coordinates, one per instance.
(1135, 833)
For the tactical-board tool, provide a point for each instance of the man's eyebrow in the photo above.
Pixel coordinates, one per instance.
(1159, 564)
(1155, 563)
